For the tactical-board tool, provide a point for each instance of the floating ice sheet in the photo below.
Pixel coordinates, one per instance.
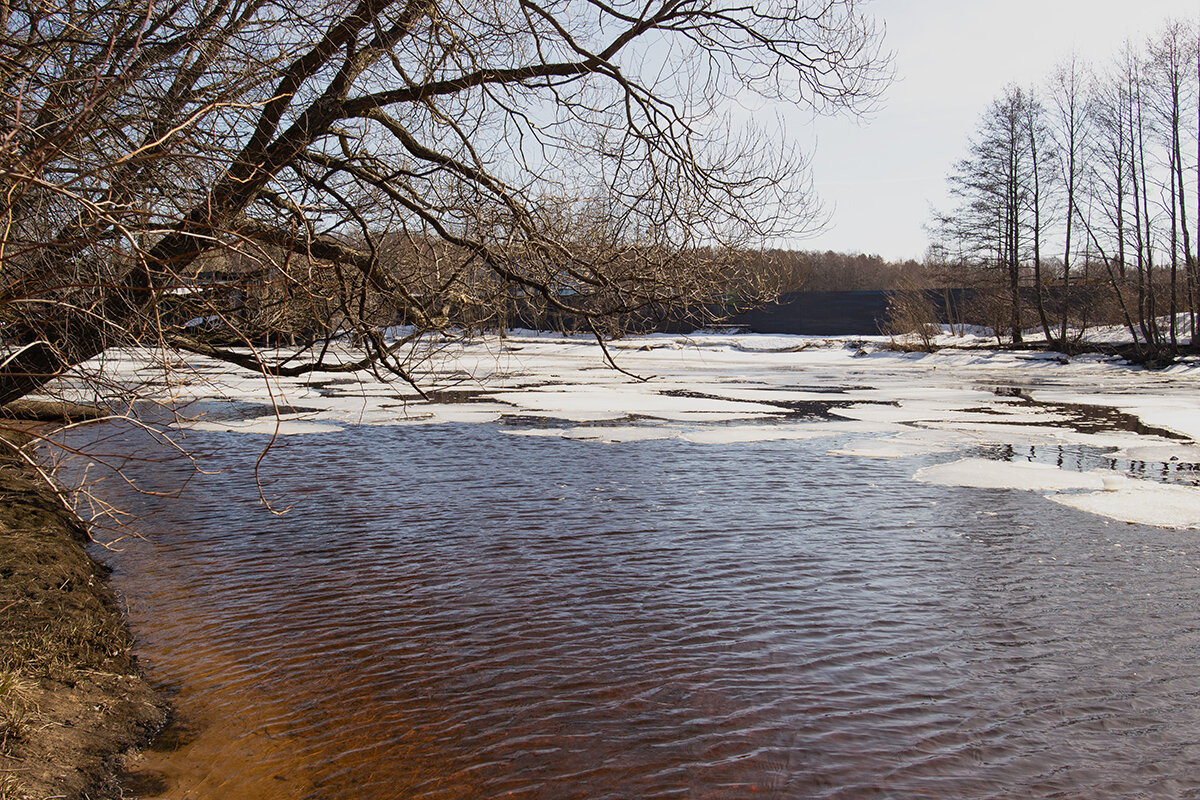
(890, 448)
(265, 426)
(982, 473)
(1100, 492)
(1140, 502)
(724, 389)
(732, 434)
(1165, 453)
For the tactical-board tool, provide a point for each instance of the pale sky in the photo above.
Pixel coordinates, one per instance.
(880, 176)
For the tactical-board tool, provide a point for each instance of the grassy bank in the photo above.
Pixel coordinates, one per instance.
(71, 701)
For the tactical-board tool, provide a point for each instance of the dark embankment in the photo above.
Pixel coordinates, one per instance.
(71, 702)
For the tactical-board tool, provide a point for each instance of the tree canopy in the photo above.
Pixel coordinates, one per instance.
(350, 164)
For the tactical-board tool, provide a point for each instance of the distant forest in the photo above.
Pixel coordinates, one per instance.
(813, 271)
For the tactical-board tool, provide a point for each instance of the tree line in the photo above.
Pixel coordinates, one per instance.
(829, 271)
(1088, 180)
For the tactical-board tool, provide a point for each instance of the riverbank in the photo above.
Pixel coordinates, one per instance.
(72, 703)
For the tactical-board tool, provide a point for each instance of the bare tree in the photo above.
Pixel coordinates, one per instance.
(1169, 59)
(911, 318)
(1108, 183)
(1040, 152)
(1068, 85)
(1133, 75)
(998, 187)
(155, 158)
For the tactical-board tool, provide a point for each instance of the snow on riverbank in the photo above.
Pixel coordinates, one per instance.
(710, 388)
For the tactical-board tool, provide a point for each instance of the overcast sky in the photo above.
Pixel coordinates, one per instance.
(880, 176)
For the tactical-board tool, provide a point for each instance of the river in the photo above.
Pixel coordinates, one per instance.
(451, 611)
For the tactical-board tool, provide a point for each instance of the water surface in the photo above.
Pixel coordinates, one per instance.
(454, 612)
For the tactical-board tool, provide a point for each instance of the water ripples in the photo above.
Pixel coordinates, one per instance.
(450, 612)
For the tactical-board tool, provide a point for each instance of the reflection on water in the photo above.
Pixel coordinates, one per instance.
(1087, 459)
(452, 612)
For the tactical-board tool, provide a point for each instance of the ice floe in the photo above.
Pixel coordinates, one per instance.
(982, 473)
(1104, 493)
(1140, 502)
(266, 426)
(729, 389)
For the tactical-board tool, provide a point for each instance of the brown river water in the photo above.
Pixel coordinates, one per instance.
(452, 612)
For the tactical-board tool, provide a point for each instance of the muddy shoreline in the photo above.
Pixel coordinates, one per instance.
(73, 706)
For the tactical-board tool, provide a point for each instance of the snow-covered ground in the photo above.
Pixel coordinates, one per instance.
(870, 401)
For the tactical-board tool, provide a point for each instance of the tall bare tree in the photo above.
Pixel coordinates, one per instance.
(1068, 95)
(1039, 144)
(997, 185)
(1169, 59)
(1109, 182)
(412, 155)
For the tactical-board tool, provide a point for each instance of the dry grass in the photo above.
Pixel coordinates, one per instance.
(10, 787)
(15, 712)
(67, 705)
